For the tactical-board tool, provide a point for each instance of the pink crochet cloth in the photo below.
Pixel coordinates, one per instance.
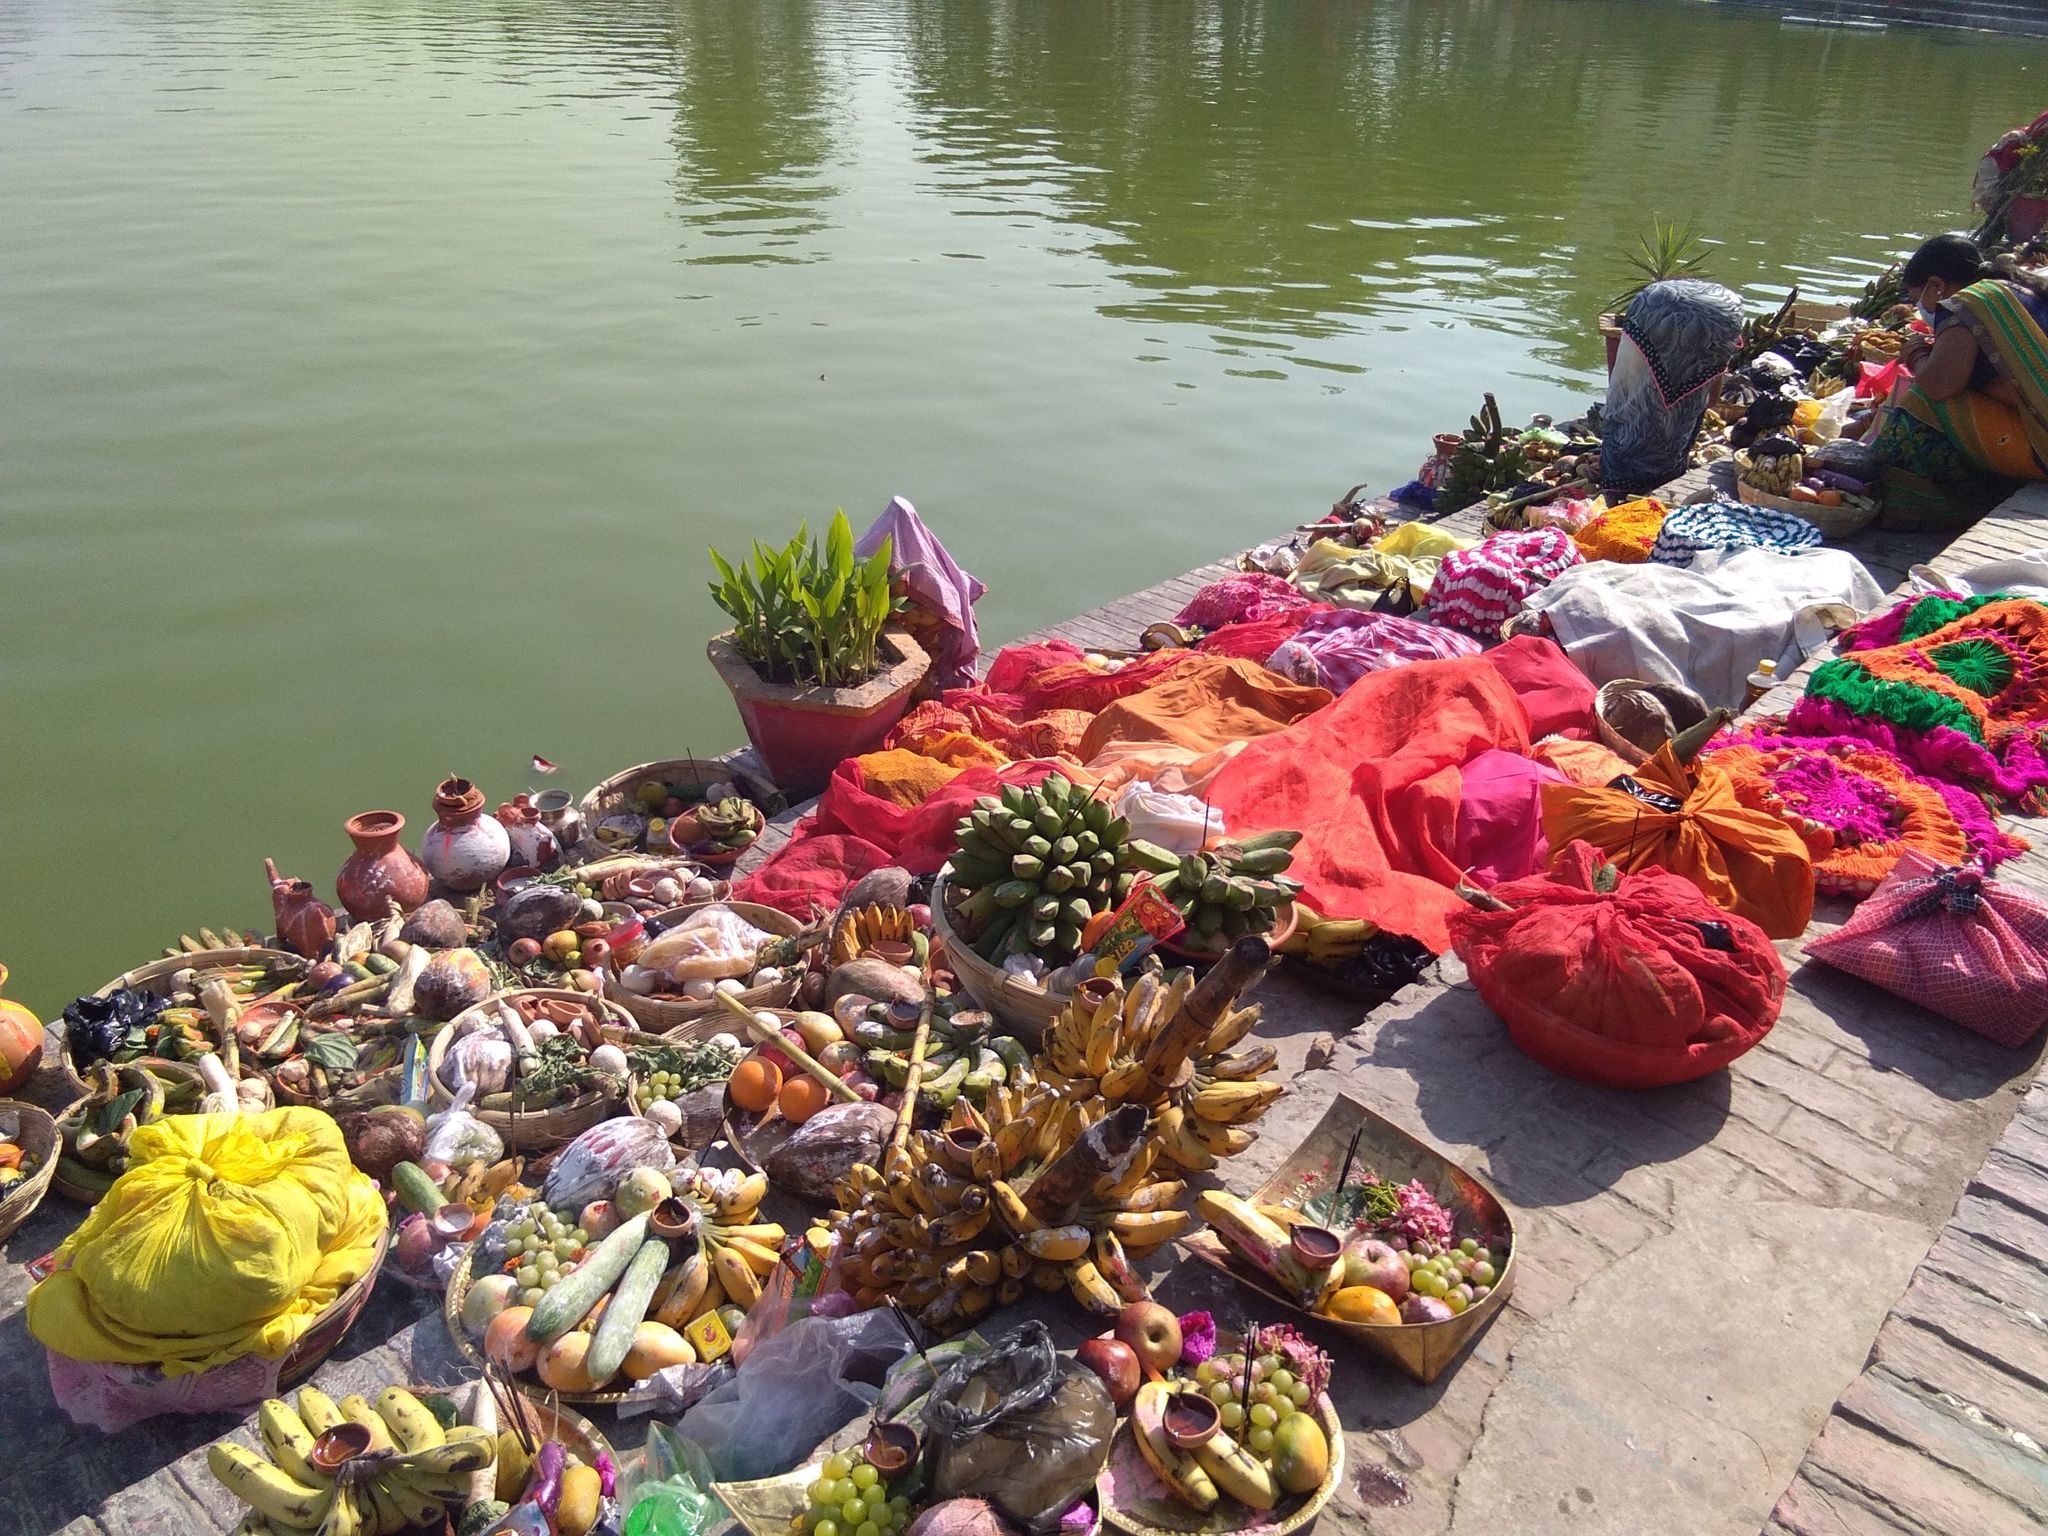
(1481, 588)
(110, 1398)
(1241, 599)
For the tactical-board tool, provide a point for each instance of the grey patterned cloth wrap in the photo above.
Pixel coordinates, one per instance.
(1677, 337)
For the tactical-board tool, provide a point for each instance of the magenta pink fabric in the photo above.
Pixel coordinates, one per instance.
(1500, 817)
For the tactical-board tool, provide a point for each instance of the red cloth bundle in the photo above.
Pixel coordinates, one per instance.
(1970, 949)
(1640, 984)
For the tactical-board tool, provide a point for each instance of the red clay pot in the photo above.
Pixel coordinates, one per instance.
(304, 922)
(379, 872)
(804, 733)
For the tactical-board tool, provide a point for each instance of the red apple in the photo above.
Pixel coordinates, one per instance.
(1152, 1332)
(1377, 1265)
(1114, 1362)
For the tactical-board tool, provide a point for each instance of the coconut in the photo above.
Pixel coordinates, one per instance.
(535, 911)
(380, 1139)
(437, 925)
(454, 980)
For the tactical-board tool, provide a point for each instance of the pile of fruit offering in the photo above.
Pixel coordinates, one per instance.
(850, 1498)
(1241, 1425)
(355, 1468)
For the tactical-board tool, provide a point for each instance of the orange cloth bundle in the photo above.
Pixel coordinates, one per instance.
(1202, 704)
(904, 778)
(1748, 861)
(1626, 533)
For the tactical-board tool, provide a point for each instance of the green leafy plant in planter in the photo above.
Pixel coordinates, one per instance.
(803, 616)
(1667, 251)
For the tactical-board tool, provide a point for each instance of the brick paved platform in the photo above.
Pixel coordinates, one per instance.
(1702, 1271)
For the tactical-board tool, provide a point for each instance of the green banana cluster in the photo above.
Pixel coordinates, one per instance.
(1230, 891)
(1032, 866)
(728, 824)
(963, 1058)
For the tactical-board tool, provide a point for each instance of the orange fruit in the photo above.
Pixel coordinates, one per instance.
(506, 1343)
(1362, 1304)
(801, 1098)
(755, 1083)
(656, 1345)
(561, 1364)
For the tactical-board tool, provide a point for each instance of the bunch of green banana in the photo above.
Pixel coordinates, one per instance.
(967, 1062)
(1226, 893)
(1032, 866)
(409, 1475)
(728, 824)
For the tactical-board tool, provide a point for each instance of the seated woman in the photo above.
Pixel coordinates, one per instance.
(1976, 414)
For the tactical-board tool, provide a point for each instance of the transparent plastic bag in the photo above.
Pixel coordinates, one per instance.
(792, 1293)
(668, 1492)
(1020, 1427)
(1177, 823)
(456, 1137)
(799, 1386)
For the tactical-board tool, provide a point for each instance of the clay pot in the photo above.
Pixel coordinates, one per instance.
(464, 849)
(532, 843)
(304, 922)
(379, 872)
(557, 811)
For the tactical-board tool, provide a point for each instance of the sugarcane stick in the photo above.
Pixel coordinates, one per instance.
(913, 1078)
(1242, 964)
(796, 1053)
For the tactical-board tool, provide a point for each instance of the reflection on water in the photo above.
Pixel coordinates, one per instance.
(374, 374)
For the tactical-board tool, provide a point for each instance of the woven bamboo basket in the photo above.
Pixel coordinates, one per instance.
(86, 1194)
(1133, 1500)
(1027, 1007)
(37, 1136)
(615, 794)
(1684, 707)
(531, 1130)
(155, 979)
(459, 1280)
(1837, 523)
(318, 1341)
(684, 1019)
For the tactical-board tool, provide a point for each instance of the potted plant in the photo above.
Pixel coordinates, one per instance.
(1667, 251)
(816, 668)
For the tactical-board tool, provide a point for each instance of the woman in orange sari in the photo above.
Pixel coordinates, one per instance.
(1976, 412)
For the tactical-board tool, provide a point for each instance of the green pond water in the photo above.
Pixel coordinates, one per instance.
(374, 375)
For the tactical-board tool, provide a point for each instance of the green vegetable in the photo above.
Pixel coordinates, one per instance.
(802, 616)
(572, 1297)
(628, 1308)
(416, 1191)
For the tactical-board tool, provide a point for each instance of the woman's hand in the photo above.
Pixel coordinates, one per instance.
(1913, 352)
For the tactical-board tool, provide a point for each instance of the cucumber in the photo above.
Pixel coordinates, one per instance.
(416, 1191)
(628, 1308)
(577, 1292)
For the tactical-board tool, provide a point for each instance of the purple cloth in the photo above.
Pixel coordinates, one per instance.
(935, 581)
(1334, 650)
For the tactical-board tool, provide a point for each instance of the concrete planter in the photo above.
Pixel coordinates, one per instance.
(804, 733)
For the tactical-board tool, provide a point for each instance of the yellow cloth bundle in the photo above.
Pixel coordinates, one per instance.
(227, 1236)
(1627, 532)
(1405, 556)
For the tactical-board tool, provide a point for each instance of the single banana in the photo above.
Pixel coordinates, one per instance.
(1057, 1245)
(740, 1282)
(1144, 1229)
(346, 1514)
(380, 1510)
(267, 1488)
(457, 1459)
(413, 1428)
(744, 1198)
(317, 1411)
(357, 1410)
(289, 1442)
(682, 1301)
(1181, 1473)
(1089, 1288)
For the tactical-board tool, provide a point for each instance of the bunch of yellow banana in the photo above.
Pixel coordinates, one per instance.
(865, 926)
(1327, 941)
(478, 1184)
(734, 1252)
(408, 1476)
(1096, 1056)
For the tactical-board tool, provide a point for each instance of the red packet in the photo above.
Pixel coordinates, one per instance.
(1145, 918)
(43, 1268)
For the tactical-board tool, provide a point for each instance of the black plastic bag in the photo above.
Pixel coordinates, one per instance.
(1019, 1427)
